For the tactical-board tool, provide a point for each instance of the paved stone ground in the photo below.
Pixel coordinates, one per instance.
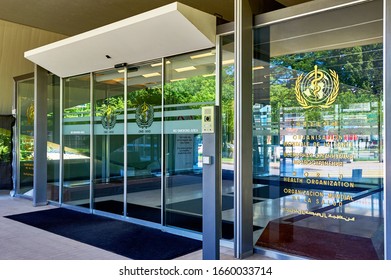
(22, 242)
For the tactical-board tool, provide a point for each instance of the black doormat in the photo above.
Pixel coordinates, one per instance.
(123, 238)
(173, 218)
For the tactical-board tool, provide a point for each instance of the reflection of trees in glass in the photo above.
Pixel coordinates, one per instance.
(227, 100)
(151, 96)
(358, 107)
(192, 90)
(83, 110)
(26, 147)
(114, 103)
(5, 144)
(360, 71)
(359, 68)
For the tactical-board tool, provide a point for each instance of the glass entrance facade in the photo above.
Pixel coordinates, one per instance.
(24, 150)
(318, 134)
(130, 144)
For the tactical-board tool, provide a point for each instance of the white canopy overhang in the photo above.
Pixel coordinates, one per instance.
(166, 31)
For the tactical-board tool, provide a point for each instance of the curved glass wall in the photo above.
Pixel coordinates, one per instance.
(318, 134)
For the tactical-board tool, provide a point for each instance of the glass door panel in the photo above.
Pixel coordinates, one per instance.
(76, 139)
(318, 134)
(189, 85)
(25, 126)
(227, 133)
(144, 149)
(108, 184)
(53, 143)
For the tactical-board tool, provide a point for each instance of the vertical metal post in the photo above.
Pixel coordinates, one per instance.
(211, 191)
(61, 151)
(243, 224)
(218, 72)
(107, 159)
(92, 153)
(40, 136)
(387, 128)
(162, 153)
(125, 141)
(15, 141)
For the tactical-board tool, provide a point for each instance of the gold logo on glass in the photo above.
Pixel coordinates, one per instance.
(30, 114)
(317, 89)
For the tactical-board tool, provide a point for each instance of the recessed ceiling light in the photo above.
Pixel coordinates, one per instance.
(176, 80)
(184, 69)
(202, 55)
(149, 75)
(229, 61)
(159, 64)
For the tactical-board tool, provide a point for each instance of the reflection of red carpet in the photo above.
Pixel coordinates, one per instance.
(326, 239)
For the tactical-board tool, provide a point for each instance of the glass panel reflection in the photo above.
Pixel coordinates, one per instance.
(25, 126)
(144, 141)
(76, 135)
(318, 144)
(227, 146)
(109, 141)
(53, 144)
(190, 84)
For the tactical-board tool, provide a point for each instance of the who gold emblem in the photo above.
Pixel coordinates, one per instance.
(109, 118)
(30, 114)
(144, 115)
(317, 89)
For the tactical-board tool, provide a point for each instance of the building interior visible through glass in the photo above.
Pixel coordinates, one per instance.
(317, 138)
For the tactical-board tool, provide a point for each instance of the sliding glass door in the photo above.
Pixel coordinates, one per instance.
(190, 85)
(132, 147)
(76, 141)
(108, 171)
(144, 144)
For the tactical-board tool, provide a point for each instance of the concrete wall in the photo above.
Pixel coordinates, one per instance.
(15, 39)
